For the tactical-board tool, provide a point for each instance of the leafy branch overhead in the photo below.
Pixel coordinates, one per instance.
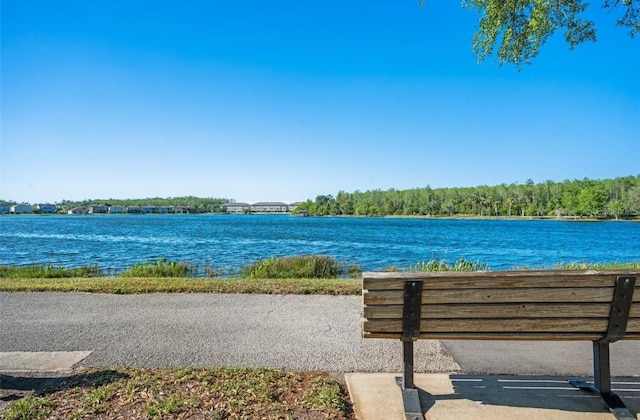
(516, 29)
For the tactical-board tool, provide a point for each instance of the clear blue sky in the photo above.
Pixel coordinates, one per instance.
(286, 100)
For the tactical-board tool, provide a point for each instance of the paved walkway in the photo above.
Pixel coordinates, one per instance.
(307, 333)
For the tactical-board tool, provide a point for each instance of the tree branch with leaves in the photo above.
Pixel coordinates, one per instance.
(517, 29)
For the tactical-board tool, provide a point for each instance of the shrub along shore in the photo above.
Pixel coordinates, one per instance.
(305, 274)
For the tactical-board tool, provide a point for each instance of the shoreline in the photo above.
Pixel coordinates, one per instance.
(515, 218)
(391, 216)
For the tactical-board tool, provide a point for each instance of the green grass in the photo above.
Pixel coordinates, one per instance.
(302, 266)
(47, 271)
(460, 264)
(122, 285)
(597, 266)
(160, 268)
(33, 408)
(151, 280)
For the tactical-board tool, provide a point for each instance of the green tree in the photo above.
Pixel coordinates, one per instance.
(592, 201)
(618, 197)
(616, 208)
(633, 199)
(517, 29)
(510, 201)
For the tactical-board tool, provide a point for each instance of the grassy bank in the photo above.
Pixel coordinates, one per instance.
(289, 275)
(218, 393)
(129, 285)
(299, 266)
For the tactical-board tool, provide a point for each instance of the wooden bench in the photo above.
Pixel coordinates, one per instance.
(597, 306)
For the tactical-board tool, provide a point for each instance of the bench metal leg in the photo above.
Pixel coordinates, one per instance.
(601, 368)
(602, 382)
(411, 309)
(410, 397)
(407, 365)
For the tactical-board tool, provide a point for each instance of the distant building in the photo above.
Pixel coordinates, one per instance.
(116, 210)
(269, 207)
(133, 210)
(77, 210)
(46, 208)
(149, 209)
(98, 210)
(4, 209)
(21, 209)
(237, 207)
(181, 209)
(293, 206)
(165, 209)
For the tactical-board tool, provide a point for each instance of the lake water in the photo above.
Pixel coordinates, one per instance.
(227, 242)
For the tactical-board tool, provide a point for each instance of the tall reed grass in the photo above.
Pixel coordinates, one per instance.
(302, 267)
(160, 268)
(461, 264)
(44, 271)
(293, 267)
(597, 266)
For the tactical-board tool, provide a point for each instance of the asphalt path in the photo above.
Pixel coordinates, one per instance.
(290, 332)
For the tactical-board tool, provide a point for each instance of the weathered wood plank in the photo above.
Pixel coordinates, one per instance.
(515, 326)
(511, 279)
(548, 325)
(523, 295)
(502, 336)
(505, 311)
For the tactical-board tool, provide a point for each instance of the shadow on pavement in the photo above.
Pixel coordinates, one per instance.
(15, 387)
(544, 392)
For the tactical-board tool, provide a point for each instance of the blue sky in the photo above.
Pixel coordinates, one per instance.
(286, 100)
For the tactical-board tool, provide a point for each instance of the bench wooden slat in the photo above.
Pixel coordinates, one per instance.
(522, 295)
(538, 325)
(503, 336)
(506, 279)
(514, 310)
(577, 325)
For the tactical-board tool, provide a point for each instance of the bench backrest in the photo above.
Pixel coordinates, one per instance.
(506, 305)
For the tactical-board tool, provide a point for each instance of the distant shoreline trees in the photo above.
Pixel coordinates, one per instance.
(607, 199)
(617, 198)
(193, 204)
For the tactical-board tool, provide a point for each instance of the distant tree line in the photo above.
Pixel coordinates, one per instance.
(611, 198)
(193, 204)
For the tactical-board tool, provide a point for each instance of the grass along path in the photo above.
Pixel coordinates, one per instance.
(131, 285)
(219, 393)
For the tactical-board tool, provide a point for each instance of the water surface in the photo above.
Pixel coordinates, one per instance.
(227, 242)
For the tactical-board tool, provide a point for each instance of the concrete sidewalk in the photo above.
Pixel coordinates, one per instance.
(376, 396)
(23, 373)
(43, 362)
